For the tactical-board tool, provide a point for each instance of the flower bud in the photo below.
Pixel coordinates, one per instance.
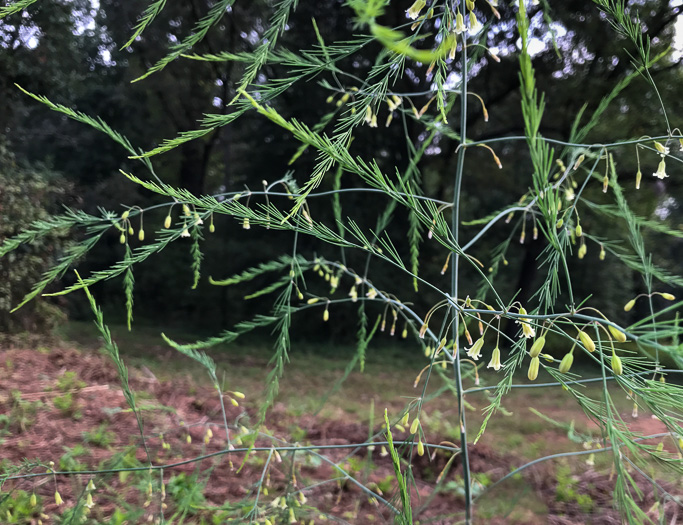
(617, 367)
(125, 215)
(33, 501)
(582, 251)
(167, 221)
(629, 306)
(566, 363)
(602, 253)
(245, 223)
(141, 235)
(326, 315)
(537, 347)
(617, 334)
(668, 296)
(579, 230)
(414, 427)
(423, 331)
(533, 369)
(131, 231)
(442, 345)
(122, 238)
(639, 177)
(587, 341)
(420, 448)
(212, 228)
(559, 224)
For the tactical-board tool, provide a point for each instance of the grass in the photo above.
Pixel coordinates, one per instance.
(516, 431)
(388, 379)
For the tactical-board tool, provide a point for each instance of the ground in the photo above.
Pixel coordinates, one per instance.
(61, 401)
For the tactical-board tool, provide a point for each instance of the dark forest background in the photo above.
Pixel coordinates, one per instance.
(71, 52)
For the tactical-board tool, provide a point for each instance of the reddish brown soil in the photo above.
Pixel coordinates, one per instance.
(195, 408)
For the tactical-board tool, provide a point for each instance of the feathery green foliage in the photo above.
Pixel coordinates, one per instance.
(558, 185)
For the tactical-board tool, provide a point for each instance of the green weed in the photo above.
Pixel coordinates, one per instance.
(68, 461)
(100, 437)
(67, 406)
(70, 382)
(17, 507)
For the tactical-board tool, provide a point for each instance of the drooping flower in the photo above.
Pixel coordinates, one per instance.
(461, 28)
(661, 170)
(475, 350)
(475, 25)
(414, 11)
(495, 360)
(527, 329)
(661, 149)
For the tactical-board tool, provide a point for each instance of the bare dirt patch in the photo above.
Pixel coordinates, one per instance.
(50, 413)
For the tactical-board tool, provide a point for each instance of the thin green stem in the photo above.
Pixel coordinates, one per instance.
(455, 268)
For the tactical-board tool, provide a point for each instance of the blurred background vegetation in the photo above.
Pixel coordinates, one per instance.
(71, 52)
